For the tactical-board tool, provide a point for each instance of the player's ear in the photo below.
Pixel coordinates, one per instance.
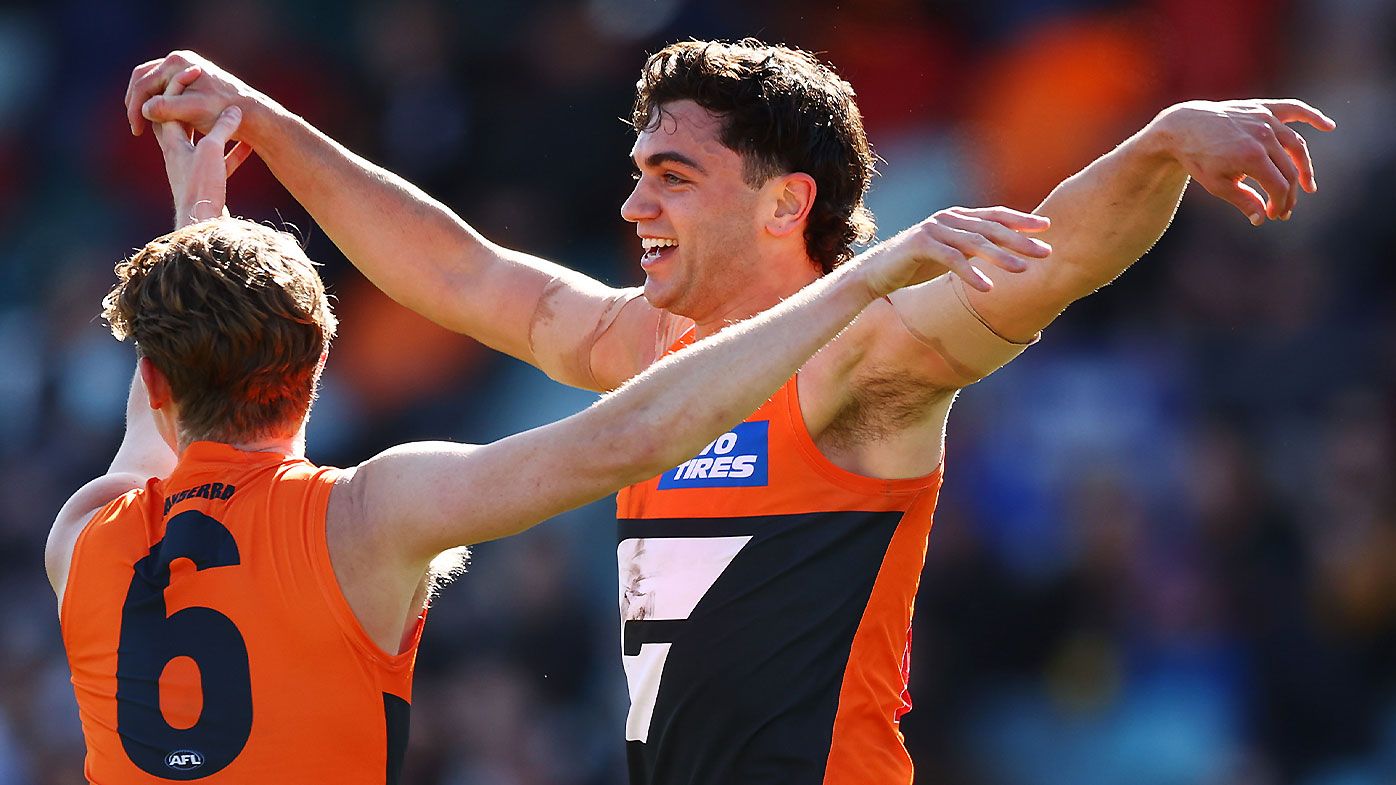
(794, 197)
(157, 385)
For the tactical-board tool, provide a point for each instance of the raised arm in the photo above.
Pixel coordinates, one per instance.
(411, 246)
(143, 454)
(1108, 215)
(197, 182)
(424, 498)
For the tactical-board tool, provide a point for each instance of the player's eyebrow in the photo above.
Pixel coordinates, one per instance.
(669, 156)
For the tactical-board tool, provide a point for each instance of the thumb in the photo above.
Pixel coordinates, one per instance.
(225, 126)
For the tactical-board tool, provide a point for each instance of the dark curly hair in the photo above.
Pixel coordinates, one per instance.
(783, 111)
(235, 315)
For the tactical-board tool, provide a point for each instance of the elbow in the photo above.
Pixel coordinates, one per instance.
(652, 445)
(651, 451)
(634, 449)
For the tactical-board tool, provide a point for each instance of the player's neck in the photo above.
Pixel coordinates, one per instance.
(282, 444)
(757, 293)
(293, 445)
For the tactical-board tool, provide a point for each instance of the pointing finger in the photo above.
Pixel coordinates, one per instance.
(1292, 110)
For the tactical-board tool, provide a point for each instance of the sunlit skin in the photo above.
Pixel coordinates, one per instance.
(288, 439)
(741, 249)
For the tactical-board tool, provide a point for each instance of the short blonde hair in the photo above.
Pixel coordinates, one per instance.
(235, 315)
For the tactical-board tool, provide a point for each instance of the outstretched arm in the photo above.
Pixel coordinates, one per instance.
(424, 498)
(411, 246)
(197, 182)
(1108, 215)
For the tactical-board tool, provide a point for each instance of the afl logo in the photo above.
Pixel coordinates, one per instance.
(184, 760)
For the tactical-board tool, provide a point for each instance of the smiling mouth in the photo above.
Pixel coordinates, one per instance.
(656, 249)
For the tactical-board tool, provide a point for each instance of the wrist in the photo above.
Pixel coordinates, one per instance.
(187, 213)
(259, 117)
(854, 283)
(1155, 142)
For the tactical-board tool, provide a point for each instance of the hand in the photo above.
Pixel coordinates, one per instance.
(948, 241)
(199, 173)
(1221, 144)
(209, 91)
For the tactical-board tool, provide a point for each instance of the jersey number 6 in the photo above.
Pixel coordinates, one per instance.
(150, 640)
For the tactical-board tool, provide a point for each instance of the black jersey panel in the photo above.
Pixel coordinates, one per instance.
(751, 682)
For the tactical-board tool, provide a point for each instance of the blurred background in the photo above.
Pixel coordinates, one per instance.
(1166, 548)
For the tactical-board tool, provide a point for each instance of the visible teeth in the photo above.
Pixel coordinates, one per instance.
(650, 243)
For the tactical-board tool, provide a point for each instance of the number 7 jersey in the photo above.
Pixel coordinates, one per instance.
(766, 598)
(209, 641)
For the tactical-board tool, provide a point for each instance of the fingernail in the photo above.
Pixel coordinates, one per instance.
(1257, 219)
(148, 105)
(1287, 214)
(234, 112)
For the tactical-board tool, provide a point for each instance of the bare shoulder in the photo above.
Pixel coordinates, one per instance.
(73, 518)
(381, 507)
(634, 340)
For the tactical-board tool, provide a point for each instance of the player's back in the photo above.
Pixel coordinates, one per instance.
(209, 640)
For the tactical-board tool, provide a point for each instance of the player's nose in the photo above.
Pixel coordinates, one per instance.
(639, 206)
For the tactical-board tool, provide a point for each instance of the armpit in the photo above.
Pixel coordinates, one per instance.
(881, 404)
(940, 317)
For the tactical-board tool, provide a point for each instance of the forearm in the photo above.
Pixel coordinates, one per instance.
(409, 245)
(670, 411)
(143, 450)
(1104, 218)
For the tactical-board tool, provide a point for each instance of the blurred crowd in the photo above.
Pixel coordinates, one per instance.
(1166, 549)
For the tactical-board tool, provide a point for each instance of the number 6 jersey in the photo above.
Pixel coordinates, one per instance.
(209, 640)
(766, 599)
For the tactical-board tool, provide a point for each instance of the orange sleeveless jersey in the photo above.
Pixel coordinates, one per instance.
(766, 599)
(208, 638)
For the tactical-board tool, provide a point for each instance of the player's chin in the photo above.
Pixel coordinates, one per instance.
(660, 293)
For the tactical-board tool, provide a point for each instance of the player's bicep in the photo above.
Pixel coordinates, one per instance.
(73, 518)
(635, 339)
(953, 345)
(426, 497)
(586, 334)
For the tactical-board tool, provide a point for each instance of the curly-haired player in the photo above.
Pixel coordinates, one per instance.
(767, 582)
(234, 613)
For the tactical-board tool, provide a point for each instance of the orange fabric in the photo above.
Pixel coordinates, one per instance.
(317, 681)
(801, 479)
(867, 745)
